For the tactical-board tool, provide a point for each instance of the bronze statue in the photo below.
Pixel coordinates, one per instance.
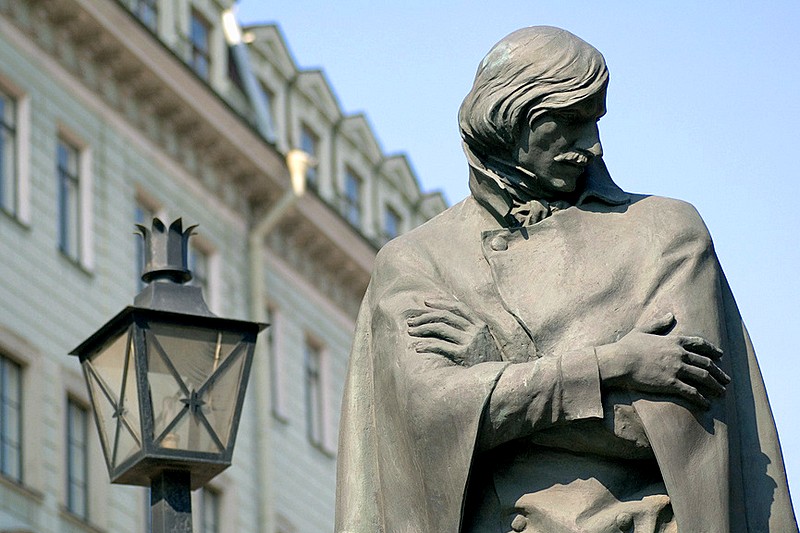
(553, 353)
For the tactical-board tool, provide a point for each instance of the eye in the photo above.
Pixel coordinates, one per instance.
(567, 115)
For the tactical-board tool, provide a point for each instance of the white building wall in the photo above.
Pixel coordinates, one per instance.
(300, 468)
(53, 302)
(50, 303)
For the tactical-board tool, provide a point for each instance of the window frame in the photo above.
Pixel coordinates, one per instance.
(82, 254)
(207, 280)
(142, 8)
(211, 499)
(276, 364)
(76, 406)
(269, 97)
(9, 182)
(18, 206)
(143, 214)
(352, 205)
(309, 142)
(390, 213)
(200, 50)
(7, 363)
(69, 185)
(314, 380)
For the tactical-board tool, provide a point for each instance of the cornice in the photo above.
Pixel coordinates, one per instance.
(107, 50)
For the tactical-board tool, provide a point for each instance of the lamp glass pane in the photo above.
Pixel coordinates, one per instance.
(181, 360)
(190, 434)
(222, 394)
(111, 377)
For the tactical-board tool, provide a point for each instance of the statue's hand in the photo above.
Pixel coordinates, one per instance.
(648, 360)
(451, 329)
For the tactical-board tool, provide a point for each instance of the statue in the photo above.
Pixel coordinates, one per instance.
(553, 353)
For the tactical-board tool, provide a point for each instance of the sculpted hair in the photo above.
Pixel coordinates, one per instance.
(528, 72)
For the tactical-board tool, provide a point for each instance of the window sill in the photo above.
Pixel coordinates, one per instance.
(330, 454)
(280, 417)
(79, 522)
(14, 217)
(76, 263)
(21, 488)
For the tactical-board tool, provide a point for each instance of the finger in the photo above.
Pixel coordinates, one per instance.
(661, 325)
(692, 394)
(439, 330)
(445, 317)
(700, 346)
(701, 378)
(438, 347)
(707, 364)
(454, 306)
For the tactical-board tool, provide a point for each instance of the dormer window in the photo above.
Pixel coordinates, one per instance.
(147, 12)
(391, 224)
(199, 32)
(352, 197)
(309, 143)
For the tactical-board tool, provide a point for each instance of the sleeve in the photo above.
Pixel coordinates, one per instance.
(540, 394)
(722, 467)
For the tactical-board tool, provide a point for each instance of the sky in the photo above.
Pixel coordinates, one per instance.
(703, 105)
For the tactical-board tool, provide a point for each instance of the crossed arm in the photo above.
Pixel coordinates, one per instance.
(536, 394)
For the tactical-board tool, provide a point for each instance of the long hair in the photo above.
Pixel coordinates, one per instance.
(528, 72)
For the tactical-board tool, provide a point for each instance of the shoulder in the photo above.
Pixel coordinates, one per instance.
(669, 218)
(425, 238)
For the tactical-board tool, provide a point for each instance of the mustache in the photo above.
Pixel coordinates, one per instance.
(575, 157)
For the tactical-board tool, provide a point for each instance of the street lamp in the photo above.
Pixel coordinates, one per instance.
(167, 379)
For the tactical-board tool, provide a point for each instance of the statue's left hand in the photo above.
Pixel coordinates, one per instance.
(451, 329)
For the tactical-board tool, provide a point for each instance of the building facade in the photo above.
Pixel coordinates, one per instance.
(115, 111)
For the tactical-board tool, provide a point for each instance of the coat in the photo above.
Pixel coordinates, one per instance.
(550, 293)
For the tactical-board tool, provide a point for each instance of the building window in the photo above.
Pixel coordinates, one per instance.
(147, 518)
(69, 201)
(8, 153)
(147, 12)
(309, 143)
(198, 264)
(199, 32)
(209, 512)
(391, 224)
(275, 366)
(352, 197)
(77, 459)
(142, 215)
(315, 401)
(269, 103)
(10, 419)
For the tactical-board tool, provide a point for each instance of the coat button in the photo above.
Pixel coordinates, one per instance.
(624, 521)
(519, 523)
(498, 243)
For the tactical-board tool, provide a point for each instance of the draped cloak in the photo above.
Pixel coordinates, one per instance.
(413, 424)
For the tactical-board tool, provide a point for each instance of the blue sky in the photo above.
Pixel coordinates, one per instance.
(703, 105)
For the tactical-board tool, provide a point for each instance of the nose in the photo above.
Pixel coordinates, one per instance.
(589, 140)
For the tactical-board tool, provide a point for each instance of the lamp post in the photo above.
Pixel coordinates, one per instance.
(167, 379)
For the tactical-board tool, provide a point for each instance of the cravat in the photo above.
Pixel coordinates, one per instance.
(534, 211)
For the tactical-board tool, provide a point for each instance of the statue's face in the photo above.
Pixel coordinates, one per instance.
(559, 144)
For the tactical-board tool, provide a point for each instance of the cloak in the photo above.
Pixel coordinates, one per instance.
(413, 425)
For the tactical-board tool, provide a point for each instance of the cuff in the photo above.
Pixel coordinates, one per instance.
(580, 385)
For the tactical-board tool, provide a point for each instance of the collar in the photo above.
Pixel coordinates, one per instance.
(491, 188)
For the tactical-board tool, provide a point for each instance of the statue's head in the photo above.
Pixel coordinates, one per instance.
(535, 103)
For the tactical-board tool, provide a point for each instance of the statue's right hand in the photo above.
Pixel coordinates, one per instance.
(648, 360)
(451, 329)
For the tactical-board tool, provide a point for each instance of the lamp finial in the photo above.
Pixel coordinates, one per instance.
(166, 251)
